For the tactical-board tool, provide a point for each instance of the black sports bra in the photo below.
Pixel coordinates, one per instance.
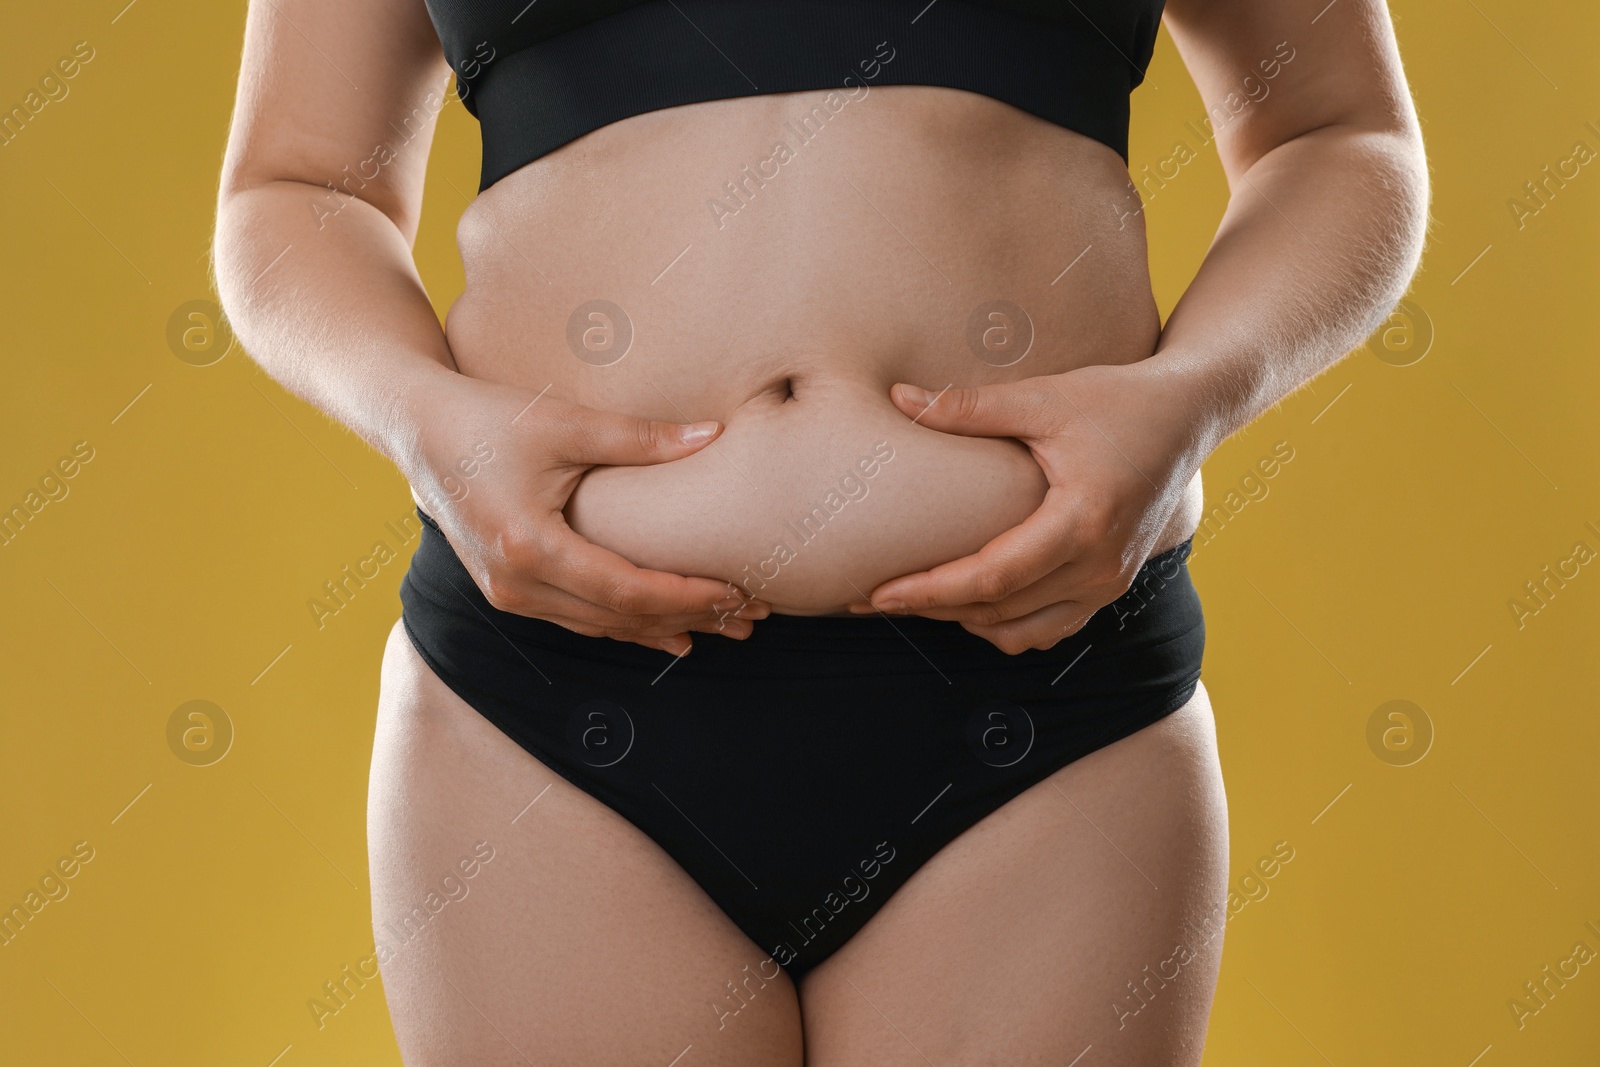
(540, 73)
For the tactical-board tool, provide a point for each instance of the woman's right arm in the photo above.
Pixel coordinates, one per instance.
(320, 286)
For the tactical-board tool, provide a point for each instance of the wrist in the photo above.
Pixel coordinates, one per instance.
(1186, 403)
(417, 397)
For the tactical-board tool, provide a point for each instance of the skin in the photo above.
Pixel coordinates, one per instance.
(1323, 231)
(583, 942)
(796, 355)
(1033, 493)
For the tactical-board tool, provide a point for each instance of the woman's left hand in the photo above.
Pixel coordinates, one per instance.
(1118, 446)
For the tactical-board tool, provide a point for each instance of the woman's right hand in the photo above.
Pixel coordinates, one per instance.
(494, 466)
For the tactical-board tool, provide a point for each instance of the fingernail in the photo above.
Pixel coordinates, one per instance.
(915, 395)
(695, 432)
(892, 605)
(861, 607)
(677, 646)
(728, 604)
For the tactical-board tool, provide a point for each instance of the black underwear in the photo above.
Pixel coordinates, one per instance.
(802, 775)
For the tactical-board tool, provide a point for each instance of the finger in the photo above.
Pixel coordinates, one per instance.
(607, 580)
(737, 629)
(738, 604)
(675, 644)
(1011, 409)
(1041, 629)
(1005, 566)
(564, 608)
(516, 591)
(667, 636)
(1076, 580)
(607, 438)
(653, 636)
(650, 634)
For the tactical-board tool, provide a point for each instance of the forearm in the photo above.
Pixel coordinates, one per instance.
(331, 308)
(1319, 242)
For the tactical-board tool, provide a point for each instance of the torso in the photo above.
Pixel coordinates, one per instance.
(858, 261)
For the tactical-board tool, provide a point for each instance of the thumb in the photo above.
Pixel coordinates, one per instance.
(1010, 409)
(593, 437)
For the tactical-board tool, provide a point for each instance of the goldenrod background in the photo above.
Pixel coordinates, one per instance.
(1378, 567)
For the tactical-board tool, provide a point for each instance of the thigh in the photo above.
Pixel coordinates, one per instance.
(1076, 917)
(518, 920)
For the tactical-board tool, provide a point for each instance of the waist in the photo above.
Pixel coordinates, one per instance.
(678, 265)
(694, 257)
(1150, 637)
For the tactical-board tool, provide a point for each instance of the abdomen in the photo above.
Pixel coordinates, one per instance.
(809, 503)
(923, 235)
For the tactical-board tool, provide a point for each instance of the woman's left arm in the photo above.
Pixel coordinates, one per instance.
(1323, 230)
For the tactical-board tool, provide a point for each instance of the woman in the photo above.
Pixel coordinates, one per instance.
(822, 329)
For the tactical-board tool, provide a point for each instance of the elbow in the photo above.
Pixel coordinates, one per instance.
(229, 246)
(1389, 171)
(1382, 172)
(1374, 178)
(1397, 163)
(1401, 159)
